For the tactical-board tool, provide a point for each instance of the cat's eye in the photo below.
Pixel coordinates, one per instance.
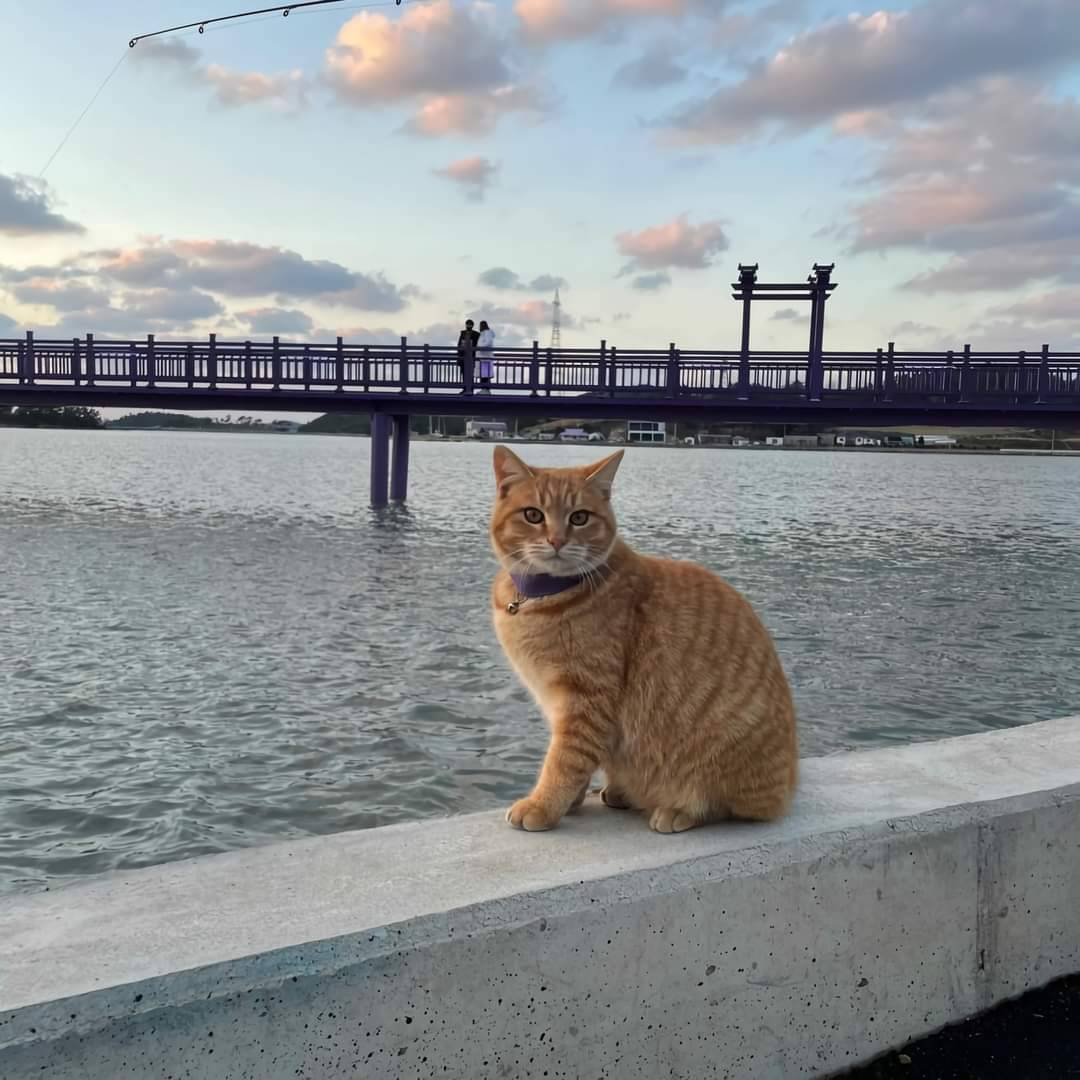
(579, 517)
(532, 515)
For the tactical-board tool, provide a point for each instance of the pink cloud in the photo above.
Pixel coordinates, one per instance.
(676, 243)
(472, 174)
(888, 59)
(568, 20)
(449, 60)
(231, 88)
(472, 114)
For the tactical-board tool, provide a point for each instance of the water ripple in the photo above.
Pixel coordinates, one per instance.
(211, 642)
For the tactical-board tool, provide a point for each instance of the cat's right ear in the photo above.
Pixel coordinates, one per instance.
(508, 469)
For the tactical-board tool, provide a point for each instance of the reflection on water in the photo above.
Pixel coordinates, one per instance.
(209, 641)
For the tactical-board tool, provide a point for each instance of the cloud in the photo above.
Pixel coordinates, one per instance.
(448, 61)
(360, 335)
(275, 320)
(252, 88)
(676, 243)
(911, 329)
(745, 27)
(242, 269)
(661, 279)
(988, 178)
(548, 21)
(132, 314)
(1009, 335)
(521, 323)
(473, 114)
(147, 266)
(788, 314)
(60, 295)
(26, 209)
(7, 324)
(1058, 306)
(169, 286)
(504, 279)
(170, 306)
(889, 59)
(288, 90)
(654, 68)
(472, 174)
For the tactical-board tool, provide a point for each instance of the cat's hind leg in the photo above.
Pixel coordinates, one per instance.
(611, 796)
(665, 819)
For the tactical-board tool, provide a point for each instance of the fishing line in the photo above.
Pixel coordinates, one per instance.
(245, 16)
(79, 118)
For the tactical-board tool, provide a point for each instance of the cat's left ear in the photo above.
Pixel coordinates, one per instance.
(509, 468)
(603, 475)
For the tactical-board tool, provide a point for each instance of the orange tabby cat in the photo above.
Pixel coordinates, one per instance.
(656, 671)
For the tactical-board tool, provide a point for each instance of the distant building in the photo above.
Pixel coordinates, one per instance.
(774, 440)
(574, 434)
(485, 429)
(285, 427)
(801, 442)
(707, 439)
(937, 440)
(646, 431)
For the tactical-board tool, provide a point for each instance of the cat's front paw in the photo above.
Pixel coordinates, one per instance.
(531, 815)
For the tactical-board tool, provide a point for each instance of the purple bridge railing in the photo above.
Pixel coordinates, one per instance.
(284, 375)
(393, 381)
(1039, 389)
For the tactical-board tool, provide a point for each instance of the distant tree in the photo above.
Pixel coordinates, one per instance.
(161, 420)
(341, 424)
(67, 416)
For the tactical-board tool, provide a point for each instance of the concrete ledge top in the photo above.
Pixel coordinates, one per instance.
(126, 928)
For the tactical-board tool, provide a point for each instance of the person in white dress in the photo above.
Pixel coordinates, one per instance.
(484, 352)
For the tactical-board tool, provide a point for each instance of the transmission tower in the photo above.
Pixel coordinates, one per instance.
(556, 322)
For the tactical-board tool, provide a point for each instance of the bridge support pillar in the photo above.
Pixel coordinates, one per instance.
(380, 458)
(399, 466)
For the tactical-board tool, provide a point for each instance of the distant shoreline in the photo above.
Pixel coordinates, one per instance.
(946, 450)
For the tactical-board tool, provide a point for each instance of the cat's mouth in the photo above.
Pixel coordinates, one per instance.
(561, 564)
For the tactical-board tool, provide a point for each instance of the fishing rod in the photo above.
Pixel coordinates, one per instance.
(204, 23)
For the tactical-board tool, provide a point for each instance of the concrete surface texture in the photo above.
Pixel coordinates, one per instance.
(909, 888)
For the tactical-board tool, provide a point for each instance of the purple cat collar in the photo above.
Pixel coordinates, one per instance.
(538, 586)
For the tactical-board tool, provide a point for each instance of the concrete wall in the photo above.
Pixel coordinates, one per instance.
(909, 888)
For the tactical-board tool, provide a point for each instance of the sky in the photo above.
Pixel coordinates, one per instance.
(380, 170)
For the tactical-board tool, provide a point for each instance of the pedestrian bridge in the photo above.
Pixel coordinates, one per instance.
(393, 381)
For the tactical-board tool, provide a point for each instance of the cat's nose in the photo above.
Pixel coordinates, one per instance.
(557, 542)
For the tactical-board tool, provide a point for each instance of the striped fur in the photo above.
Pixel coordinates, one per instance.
(657, 672)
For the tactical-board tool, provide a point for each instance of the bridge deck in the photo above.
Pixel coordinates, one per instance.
(885, 386)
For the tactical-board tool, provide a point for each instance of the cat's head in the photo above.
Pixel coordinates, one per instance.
(552, 521)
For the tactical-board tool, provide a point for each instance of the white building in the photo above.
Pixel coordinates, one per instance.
(574, 434)
(646, 431)
(485, 429)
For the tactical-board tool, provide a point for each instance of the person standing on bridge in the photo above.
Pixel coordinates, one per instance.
(484, 354)
(466, 351)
